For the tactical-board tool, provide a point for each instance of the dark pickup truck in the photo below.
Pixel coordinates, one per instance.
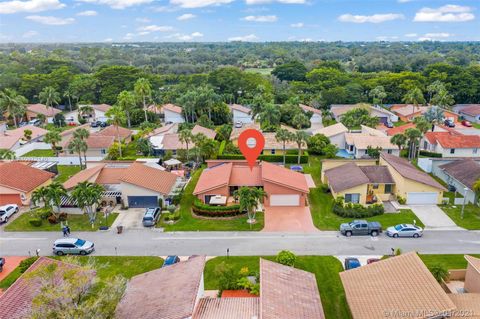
(360, 227)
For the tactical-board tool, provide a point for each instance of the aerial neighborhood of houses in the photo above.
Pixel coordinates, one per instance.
(164, 202)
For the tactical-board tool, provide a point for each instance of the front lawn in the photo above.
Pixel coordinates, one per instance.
(476, 125)
(325, 268)
(451, 261)
(39, 153)
(66, 171)
(321, 205)
(76, 223)
(188, 222)
(471, 217)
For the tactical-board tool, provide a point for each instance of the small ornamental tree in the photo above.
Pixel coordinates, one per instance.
(286, 257)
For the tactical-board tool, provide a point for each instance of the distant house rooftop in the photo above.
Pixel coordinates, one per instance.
(453, 139)
(29, 179)
(332, 130)
(43, 109)
(240, 108)
(173, 108)
(205, 131)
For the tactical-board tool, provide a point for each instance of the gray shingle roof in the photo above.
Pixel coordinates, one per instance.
(466, 171)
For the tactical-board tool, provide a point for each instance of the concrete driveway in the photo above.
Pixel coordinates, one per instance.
(130, 219)
(288, 219)
(433, 216)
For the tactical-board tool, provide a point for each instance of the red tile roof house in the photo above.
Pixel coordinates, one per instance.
(177, 292)
(14, 139)
(16, 188)
(451, 144)
(16, 301)
(283, 186)
(407, 112)
(471, 112)
(33, 110)
(172, 113)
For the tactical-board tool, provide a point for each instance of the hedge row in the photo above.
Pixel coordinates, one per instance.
(202, 209)
(290, 159)
(350, 210)
(430, 154)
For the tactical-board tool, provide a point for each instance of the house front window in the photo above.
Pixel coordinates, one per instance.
(375, 186)
(452, 151)
(352, 198)
(389, 151)
(103, 151)
(273, 152)
(388, 188)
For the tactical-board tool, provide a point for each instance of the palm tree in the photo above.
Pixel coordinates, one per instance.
(301, 138)
(443, 99)
(413, 135)
(40, 195)
(7, 154)
(54, 194)
(143, 90)
(126, 102)
(377, 94)
(53, 137)
(117, 116)
(283, 136)
(414, 97)
(68, 94)
(185, 136)
(50, 97)
(249, 198)
(78, 146)
(199, 140)
(399, 140)
(12, 103)
(88, 196)
(83, 134)
(86, 110)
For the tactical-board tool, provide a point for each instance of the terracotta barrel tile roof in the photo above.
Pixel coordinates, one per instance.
(400, 129)
(307, 108)
(240, 108)
(231, 308)
(112, 131)
(453, 140)
(99, 141)
(172, 108)
(213, 178)
(168, 293)
(42, 109)
(286, 293)
(150, 178)
(332, 130)
(82, 176)
(111, 175)
(101, 107)
(242, 175)
(282, 176)
(468, 305)
(29, 179)
(205, 131)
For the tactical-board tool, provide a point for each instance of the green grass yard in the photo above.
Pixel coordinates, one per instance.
(471, 218)
(188, 222)
(451, 261)
(66, 171)
(325, 268)
(76, 223)
(39, 153)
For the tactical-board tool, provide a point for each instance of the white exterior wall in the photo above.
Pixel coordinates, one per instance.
(361, 152)
(239, 116)
(316, 118)
(173, 117)
(100, 116)
(459, 152)
(470, 118)
(338, 140)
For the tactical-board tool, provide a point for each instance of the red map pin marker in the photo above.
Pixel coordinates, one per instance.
(251, 143)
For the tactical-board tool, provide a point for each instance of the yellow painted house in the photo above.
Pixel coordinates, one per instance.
(365, 182)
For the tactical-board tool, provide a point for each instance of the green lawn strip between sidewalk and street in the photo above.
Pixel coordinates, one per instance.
(471, 216)
(325, 268)
(188, 222)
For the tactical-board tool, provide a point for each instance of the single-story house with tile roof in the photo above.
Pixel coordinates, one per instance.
(316, 113)
(384, 115)
(16, 301)
(68, 134)
(362, 184)
(470, 112)
(98, 145)
(99, 111)
(241, 113)
(172, 113)
(416, 186)
(400, 129)
(357, 144)
(461, 173)
(451, 144)
(408, 112)
(166, 129)
(335, 133)
(283, 186)
(33, 110)
(209, 133)
(124, 133)
(18, 181)
(395, 287)
(164, 141)
(13, 139)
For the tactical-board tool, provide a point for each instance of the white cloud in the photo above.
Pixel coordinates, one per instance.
(29, 34)
(49, 20)
(411, 35)
(270, 18)
(185, 37)
(9, 7)
(245, 38)
(155, 28)
(386, 38)
(129, 36)
(118, 4)
(198, 3)
(143, 20)
(108, 40)
(435, 36)
(376, 18)
(447, 13)
(164, 9)
(277, 1)
(297, 25)
(88, 13)
(404, 1)
(186, 16)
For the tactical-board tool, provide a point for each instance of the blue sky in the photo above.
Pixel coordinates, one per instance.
(244, 20)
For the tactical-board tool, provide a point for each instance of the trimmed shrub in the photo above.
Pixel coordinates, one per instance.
(286, 257)
(401, 200)
(202, 209)
(43, 213)
(52, 219)
(35, 222)
(62, 217)
(430, 154)
(171, 208)
(26, 263)
(350, 210)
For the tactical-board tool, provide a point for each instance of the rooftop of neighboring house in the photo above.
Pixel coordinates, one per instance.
(171, 141)
(400, 129)
(453, 139)
(369, 137)
(112, 131)
(408, 109)
(240, 108)
(466, 171)
(204, 130)
(407, 170)
(237, 173)
(332, 130)
(272, 143)
(168, 128)
(466, 303)
(469, 109)
(43, 109)
(101, 107)
(16, 301)
(144, 297)
(95, 141)
(28, 180)
(307, 108)
(11, 137)
(231, 308)
(402, 283)
(350, 175)
(340, 109)
(172, 107)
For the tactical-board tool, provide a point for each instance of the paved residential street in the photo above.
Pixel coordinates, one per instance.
(153, 242)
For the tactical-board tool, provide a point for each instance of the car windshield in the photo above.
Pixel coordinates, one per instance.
(80, 242)
(147, 218)
(2, 212)
(398, 227)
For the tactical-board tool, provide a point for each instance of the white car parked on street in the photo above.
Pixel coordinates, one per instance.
(7, 211)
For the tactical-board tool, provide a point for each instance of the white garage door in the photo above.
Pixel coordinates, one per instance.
(422, 198)
(285, 200)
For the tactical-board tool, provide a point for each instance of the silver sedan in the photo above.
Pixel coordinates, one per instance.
(405, 230)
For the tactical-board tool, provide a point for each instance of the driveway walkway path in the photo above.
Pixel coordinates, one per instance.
(288, 219)
(433, 216)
